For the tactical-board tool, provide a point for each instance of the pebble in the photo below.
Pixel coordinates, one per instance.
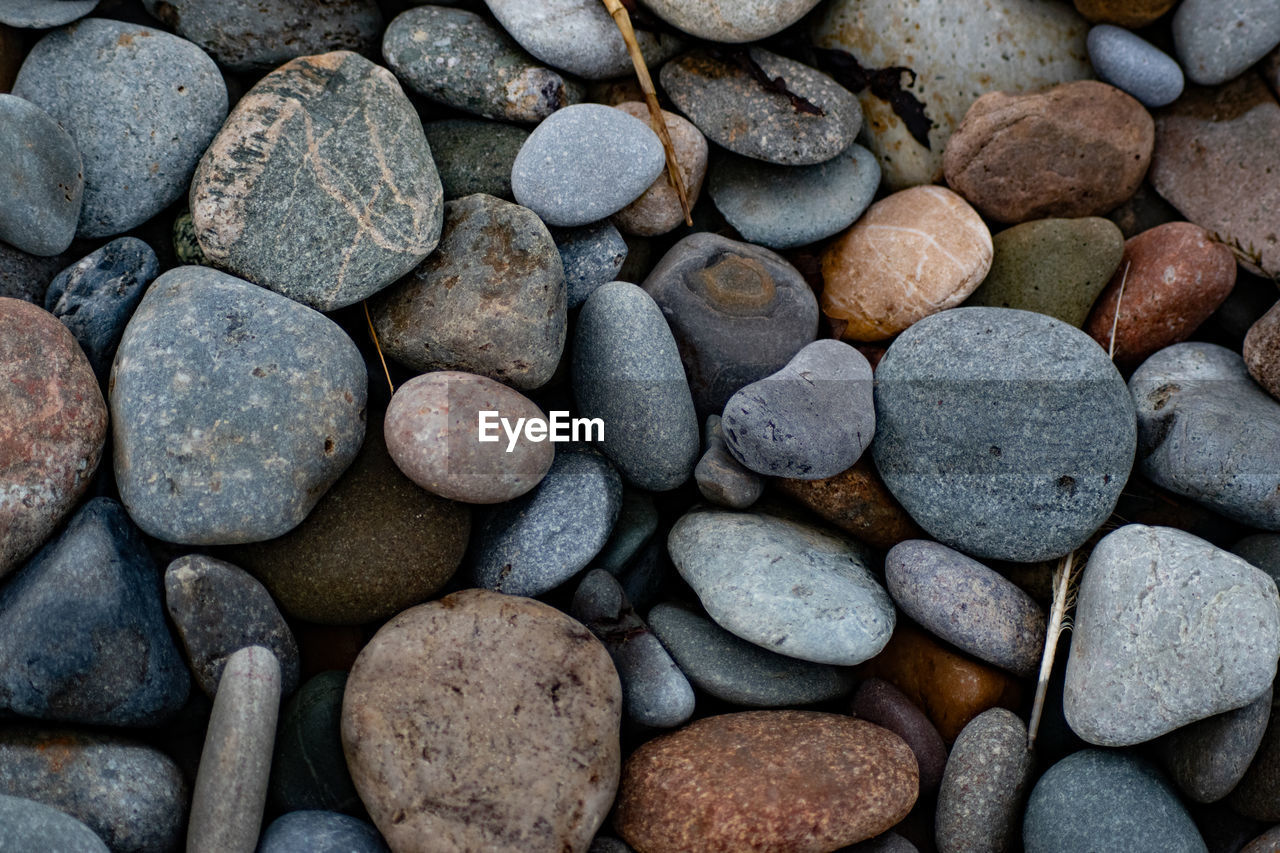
(42, 181)
(765, 779)
(632, 532)
(1207, 759)
(1052, 266)
(53, 431)
(658, 210)
(308, 769)
(1261, 351)
(186, 248)
(96, 296)
(1124, 13)
(734, 670)
(131, 795)
(967, 604)
(626, 371)
(140, 104)
(966, 454)
(721, 478)
(25, 276)
(1261, 550)
(857, 502)
(82, 630)
(1174, 277)
(1134, 65)
(1207, 432)
(474, 156)
(655, 692)
(988, 775)
(1100, 800)
(218, 386)
(534, 544)
(731, 20)
(218, 609)
(788, 587)
(715, 90)
(483, 721)
(320, 832)
(459, 59)
(489, 300)
(585, 162)
(786, 206)
(1267, 842)
(432, 435)
(877, 701)
(1257, 795)
(1217, 40)
(29, 825)
(1168, 630)
(230, 792)
(327, 221)
(592, 256)
(1078, 149)
(739, 312)
(41, 14)
(931, 251)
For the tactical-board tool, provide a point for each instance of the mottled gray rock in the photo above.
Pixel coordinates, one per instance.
(1217, 40)
(635, 528)
(43, 13)
(233, 409)
(1168, 630)
(592, 255)
(721, 478)
(890, 842)
(731, 20)
(1257, 795)
(730, 668)
(308, 769)
(1208, 432)
(1100, 800)
(141, 105)
(967, 604)
(320, 185)
(786, 206)
(988, 774)
(585, 162)
(474, 155)
(1207, 759)
(877, 701)
(626, 371)
(26, 276)
(785, 586)
(27, 825)
(1134, 65)
(41, 179)
(320, 832)
(964, 402)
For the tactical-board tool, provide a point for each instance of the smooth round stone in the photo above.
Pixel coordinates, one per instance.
(41, 180)
(534, 544)
(857, 502)
(785, 586)
(812, 419)
(474, 156)
(738, 312)
(320, 832)
(1134, 65)
(308, 769)
(489, 300)
(96, 296)
(967, 604)
(786, 206)
(29, 825)
(1168, 630)
(1207, 432)
(731, 20)
(1261, 351)
(432, 434)
(220, 388)
(261, 37)
(632, 532)
(721, 478)
(130, 795)
(877, 701)
(729, 668)
(141, 105)
(658, 210)
(626, 371)
(964, 400)
(53, 431)
(82, 630)
(326, 217)
(585, 162)
(1100, 800)
(578, 36)
(733, 110)
(41, 14)
(765, 779)
(1257, 795)
(1217, 40)
(987, 777)
(592, 256)
(1052, 266)
(458, 58)
(484, 721)
(1124, 13)
(1207, 759)
(932, 251)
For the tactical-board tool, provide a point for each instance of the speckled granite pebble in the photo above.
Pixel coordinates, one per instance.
(320, 832)
(29, 825)
(592, 255)
(41, 179)
(987, 778)
(474, 156)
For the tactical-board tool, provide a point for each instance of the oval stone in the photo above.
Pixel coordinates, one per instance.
(314, 831)
(1134, 65)
(987, 777)
(731, 20)
(41, 182)
(308, 769)
(857, 502)
(43, 13)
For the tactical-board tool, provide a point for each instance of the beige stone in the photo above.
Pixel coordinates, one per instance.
(658, 210)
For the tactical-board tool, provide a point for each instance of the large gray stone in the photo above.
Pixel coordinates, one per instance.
(41, 179)
(1217, 40)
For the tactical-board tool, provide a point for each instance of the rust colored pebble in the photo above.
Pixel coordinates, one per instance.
(1262, 351)
(857, 502)
(1123, 13)
(779, 781)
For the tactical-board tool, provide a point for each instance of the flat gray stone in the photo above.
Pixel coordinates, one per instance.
(984, 786)
(1216, 40)
(1207, 759)
(475, 156)
(1134, 65)
(41, 179)
(27, 825)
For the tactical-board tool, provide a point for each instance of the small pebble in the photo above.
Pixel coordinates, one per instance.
(1134, 65)
(592, 255)
(658, 209)
(985, 785)
(41, 182)
(1207, 759)
(320, 832)
(721, 478)
(857, 502)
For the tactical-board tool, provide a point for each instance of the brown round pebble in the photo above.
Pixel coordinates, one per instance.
(1262, 351)
(1123, 13)
(658, 210)
(877, 701)
(857, 501)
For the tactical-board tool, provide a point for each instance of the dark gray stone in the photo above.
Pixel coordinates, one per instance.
(1216, 40)
(987, 777)
(309, 769)
(1208, 759)
(1257, 795)
(26, 825)
(879, 702)
(1005, 434)
(721, 478)
(474, 156)
(233, 409)
(40, 14)
(635, 528)
(646, 577)
(41, 179)
(82, 630)
(26, 276)
(141, 105)
(321, 832)
(1134, 65)
(593, 255)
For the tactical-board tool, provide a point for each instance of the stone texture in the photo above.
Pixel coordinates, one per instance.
(1207, 759)
(40, 14)
(320, 185)
(658, 210)
(320, 832)
(721, 478)
(484, 721)
(731, 20)
(912, 254)
(857, 502)
(1216, 40)
(25, 276)
(308, 768)
(592, 255)
(474, 156)
(1257, 795)
(1134, 65)
(877, 701)
(987, 778)
(632, 532)
(1124, 13)
(1262, 351)
(1264, 843)
(777, 780)
(41, 182)
(29, 825)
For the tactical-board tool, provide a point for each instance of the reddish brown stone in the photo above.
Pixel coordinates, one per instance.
(857, 502)
(782, 781)
(1079, 149)
(1174, 276)
(1123, 13)
(53, 422)
(877, 701)
(1262, 351)
(11, 54)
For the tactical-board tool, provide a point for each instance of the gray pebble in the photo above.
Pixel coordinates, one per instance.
(1134, 65)
(320, 832)
(308, 768)
(635, 528)
(646, 577)
(26, 276)
(41, 14)
(721, 478)
(474, 156)
(1216, 40)
(592, 255)
(731, 20)
(983, 788)
(1207, 759)
(1257, 795)
(26, 825)
(890, 842)
(41, 179)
